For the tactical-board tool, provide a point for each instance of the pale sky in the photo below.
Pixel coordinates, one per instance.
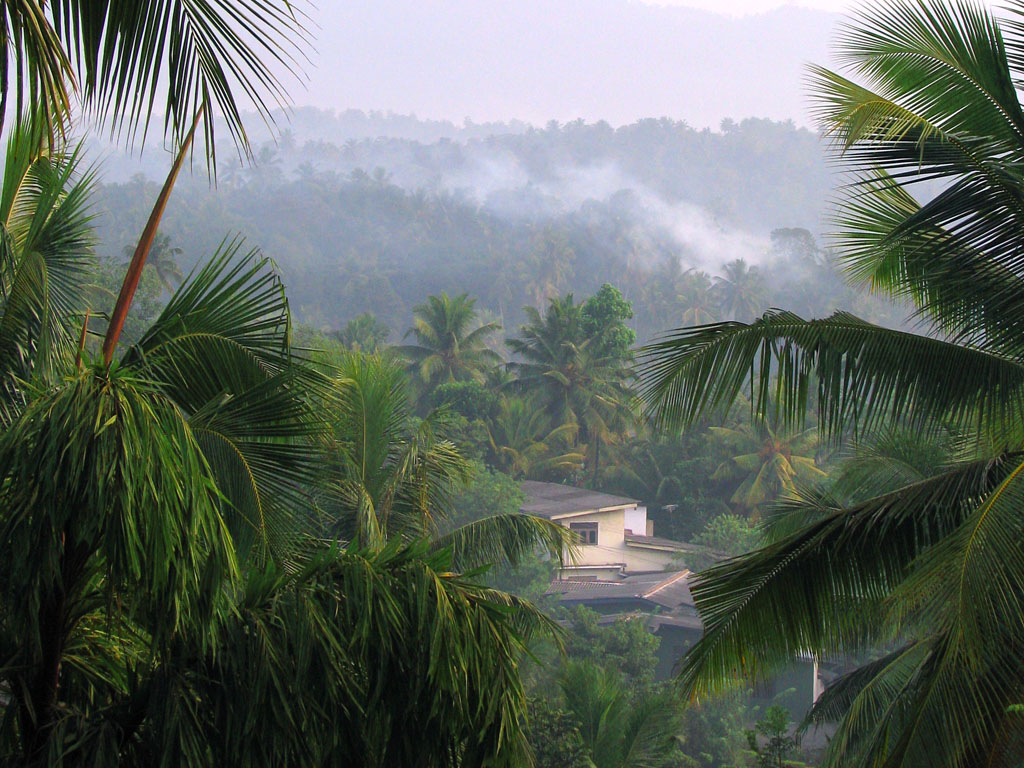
(748, 7)
(745, 7)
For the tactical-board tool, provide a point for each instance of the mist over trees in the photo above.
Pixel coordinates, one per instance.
(516, 218)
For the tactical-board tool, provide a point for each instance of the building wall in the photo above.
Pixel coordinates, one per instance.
(592, 573)
(636, 520)
(611, 541)
(638, 559)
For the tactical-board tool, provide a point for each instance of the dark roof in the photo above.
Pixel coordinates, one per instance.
(553, 500)
(668, 590)
(679, 546)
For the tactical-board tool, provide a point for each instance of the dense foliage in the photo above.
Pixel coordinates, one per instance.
(915, 559)
(655, 208)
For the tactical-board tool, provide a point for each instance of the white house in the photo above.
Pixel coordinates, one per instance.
(615, 537)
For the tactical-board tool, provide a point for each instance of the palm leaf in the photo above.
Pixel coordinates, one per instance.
(506, 539)
(220, 351)
(46, 241)
(864, 374)
(819, 590)
(129, 55)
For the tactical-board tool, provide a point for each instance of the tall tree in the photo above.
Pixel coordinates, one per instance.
(562, 367)
(163, 258)
(933, 569)
(450, 346)
(740, 290)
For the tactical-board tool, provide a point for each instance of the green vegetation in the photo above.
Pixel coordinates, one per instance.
(915, 562)
(230, 539)
(178, 592)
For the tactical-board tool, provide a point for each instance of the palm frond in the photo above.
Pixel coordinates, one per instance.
(820, 589)
(46, 241)
(43, 77)
(864, 374)
(128, 56)
(220, 351)
(506, 539)
(870, 703)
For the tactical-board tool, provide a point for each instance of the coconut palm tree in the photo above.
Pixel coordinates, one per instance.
(450, 346)
(163, 258)
(771, 464)
(933, 571)
(697, 296)
(740, 290)
(560, 370)
(523, 443)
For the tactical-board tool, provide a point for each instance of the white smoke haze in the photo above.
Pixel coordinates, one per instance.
(506, 187)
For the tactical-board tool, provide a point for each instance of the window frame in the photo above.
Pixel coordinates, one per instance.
(586, 533)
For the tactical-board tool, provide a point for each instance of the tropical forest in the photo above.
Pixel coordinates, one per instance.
(577, 432)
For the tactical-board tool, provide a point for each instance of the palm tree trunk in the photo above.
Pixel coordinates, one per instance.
(134, 273)
(38, 712)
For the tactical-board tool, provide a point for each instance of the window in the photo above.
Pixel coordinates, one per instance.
(587, 532)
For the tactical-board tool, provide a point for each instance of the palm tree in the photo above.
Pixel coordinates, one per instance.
(697, 297)
(771, 466)
(364, 333)
(571, 383)
(523, 443)
(620, 730)
(740, 290)
(449, 347)
(932, 571)
(163, 257)
(391, 479)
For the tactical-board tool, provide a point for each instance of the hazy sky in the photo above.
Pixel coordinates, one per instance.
(537, 60)
(743, 7)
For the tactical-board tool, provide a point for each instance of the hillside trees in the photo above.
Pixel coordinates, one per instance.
(931, 569)
(573, 362)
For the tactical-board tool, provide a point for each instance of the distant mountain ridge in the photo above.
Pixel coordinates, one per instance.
(534, 60)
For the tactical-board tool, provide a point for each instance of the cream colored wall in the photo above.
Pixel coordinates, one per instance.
(611, 544)
(649, 560)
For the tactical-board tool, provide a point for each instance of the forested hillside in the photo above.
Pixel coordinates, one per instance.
(514, 218)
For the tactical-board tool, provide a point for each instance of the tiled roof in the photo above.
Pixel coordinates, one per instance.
(554, 500)
(668, 590)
